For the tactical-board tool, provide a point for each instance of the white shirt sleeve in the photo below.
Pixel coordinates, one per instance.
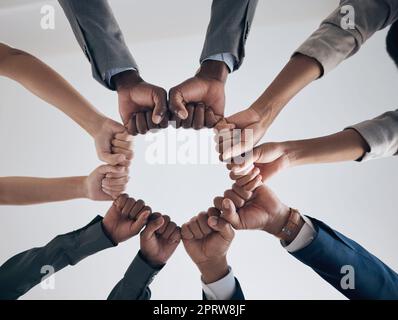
(304, 238)
(222, 289)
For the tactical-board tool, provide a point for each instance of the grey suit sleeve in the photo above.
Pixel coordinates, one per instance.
(331, 44)
(381, 134)
(99, 36)
(136, 281)
(228, 29)
(23, 271)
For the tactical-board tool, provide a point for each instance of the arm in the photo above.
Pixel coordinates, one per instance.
(159, 240)
(324, 50)
(104, 183)
(44, 82)
(23, 271)
(199, 102)
(207, 239)
(100, 37)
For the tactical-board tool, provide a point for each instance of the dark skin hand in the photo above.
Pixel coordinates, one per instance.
(142, 106)
(199, 102)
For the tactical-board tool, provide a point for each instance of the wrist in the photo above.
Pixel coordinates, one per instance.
(212, 69)
(81, 187)
(154, 262)
(126, 79)
(292, 227)
(213, 270)
(275, 225)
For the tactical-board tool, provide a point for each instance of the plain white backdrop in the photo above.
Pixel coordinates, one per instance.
(38, 140)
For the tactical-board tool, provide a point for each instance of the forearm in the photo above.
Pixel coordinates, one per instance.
(213, 270)
(27, 190)
(296, 75)
(347, 145)
(48, 85)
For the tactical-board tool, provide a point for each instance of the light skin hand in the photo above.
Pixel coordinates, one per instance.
(106, 182)
(124, 220)
(142, 106)
(296, 75)
(199, 102)
(159, 239)
(207, 239)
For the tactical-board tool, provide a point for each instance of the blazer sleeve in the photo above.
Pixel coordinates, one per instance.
(136, 281)
(330, 252)
(381, 134)
(99, 36)
(238, 294)
(23, 271)
(332, 43)
(229, 28)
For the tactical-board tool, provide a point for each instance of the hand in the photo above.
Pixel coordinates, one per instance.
(159, 239)
(268, 158)
(200, 101)
(125, 218)
(207, 239)
(107, 131)
(263, 211)
(142, 105)
(106, 182)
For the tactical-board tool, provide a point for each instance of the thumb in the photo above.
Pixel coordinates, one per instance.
(152, 227)
(177, 106)
(221, 226)
(160, 109)
(141, 221)
(228, 212)
(112, 159)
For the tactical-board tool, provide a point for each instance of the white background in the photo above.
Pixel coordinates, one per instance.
(37, 140)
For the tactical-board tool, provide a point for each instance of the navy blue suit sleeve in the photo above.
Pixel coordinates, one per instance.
(330, 251)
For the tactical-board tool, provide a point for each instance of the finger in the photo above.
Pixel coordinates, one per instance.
(176, 122)
(223, 227)
(175, 236)
(160, 110)
(165, 224)
(176, 104)
(121, 200)
(109, 183)
(139, 224)
(187, 123)
(123, 172)
(141, 123)
(242, 180)
(132, 125)
(149, 120)
(128, 207)
(195, 229)
(229, 213)
(210, 118)
(186, 233)
(218, 202)
(124, 136)
(213, 212)
(126, 152)
(241, 192)
(253, 185)
(202, 221)
(238, 201)
(152, 227)
(119, 189)
(128, 145)
(112, 195)
(245, 145)
(169, 230)
(199, 117)
(165, 121)
(138, 206)
(112, 159)
(106, 169)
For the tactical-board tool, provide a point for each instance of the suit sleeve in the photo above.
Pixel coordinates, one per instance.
(99, 36)
(136, 281)
(331, 252)
(381, 134)
(228, 29)
(333, 42)
(23, 271)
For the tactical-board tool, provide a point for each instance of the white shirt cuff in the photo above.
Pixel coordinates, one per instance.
(225, 57)
(222, 289)
(304, 238)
